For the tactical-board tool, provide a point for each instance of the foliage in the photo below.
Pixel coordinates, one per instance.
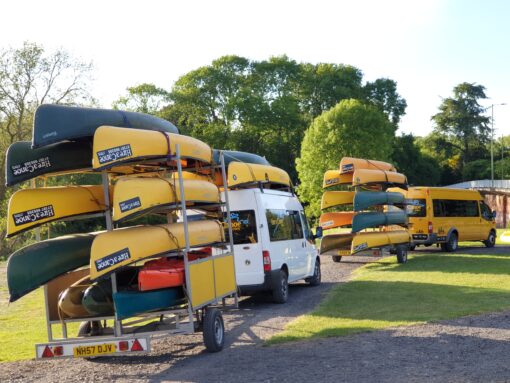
(29, 77)
(143, 98)
(460, 128)
(419, 167)
(348, 129)
(383, 93)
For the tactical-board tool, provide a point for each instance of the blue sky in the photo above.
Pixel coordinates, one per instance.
(426, 46)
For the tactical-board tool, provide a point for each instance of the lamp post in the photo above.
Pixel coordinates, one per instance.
(492, 141)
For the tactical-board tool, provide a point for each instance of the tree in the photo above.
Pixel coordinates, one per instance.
(351, 128)
(143, 98)
(420, 168)
(460, 126)
(383, 94)
(30, 77)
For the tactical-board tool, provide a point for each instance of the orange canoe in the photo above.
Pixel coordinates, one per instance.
(336, 219)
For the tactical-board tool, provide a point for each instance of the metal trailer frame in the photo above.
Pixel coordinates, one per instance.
(185, 320)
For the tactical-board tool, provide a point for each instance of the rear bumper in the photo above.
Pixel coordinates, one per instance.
(425, 239)
(270, 278)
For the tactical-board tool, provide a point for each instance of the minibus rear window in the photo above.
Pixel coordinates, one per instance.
(244, 227)
(416, 207)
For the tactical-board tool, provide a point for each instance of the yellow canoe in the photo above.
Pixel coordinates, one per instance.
(336, 219)
(115, 146)
(336, 198)
(134, 196)
(118, 248)
(29, 208)
(350, 244)
(350, 164)
(242, 174)
(362, 177)
(370, 240)
(335, 178)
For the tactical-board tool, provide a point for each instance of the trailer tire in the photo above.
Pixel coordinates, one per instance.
(214, 330)
(84, 329)
(401, 254)
(336, 258)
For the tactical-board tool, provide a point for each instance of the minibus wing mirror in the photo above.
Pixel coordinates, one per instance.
(493, 215)
(318, 232)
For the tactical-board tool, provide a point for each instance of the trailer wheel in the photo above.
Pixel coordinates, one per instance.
(90, 328)
(336, 258)
(401, 254)
(214, 330)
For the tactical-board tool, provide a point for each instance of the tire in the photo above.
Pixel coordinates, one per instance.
(401, 254)
(315, 279)
(213, 330)
(452, 244)
(412, 247)
(336, 258)
(84, 329)
(491, 240)
(281, 288)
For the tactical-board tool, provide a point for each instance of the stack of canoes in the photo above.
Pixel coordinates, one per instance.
(138, 152)
(368, 210)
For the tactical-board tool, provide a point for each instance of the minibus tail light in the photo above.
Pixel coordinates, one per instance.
(431, 228)
(266, 259)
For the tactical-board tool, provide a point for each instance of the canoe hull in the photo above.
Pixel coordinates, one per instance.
(364, 200)
(132, 303)
(29, 208)
(24, 163)
(243, 174)
(336, 198)
(114, 146)
(56, 123)
(370, 240)
(336, 219)
(118, 248)
(367, 220)
(335, 178)
(133, 196)
(350, 164)
(37, 264)
(367, 177)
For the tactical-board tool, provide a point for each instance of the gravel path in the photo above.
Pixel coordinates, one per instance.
(468, 349)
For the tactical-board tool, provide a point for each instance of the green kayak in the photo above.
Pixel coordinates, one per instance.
(37, 264)
(375, 219)
(232, 155)
(57, 123)
(24, 163)
(366, 199)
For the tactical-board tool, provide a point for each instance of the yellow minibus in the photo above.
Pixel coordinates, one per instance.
(447, 216)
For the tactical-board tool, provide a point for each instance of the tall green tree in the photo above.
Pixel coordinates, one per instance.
(460, 126)
(383, 94)
(143, 98)
(351, 128)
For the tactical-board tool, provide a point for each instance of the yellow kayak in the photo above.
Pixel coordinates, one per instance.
(350, 244)
(336, 198)
(134, 196)
(114, 146)
(241, 174)
(29, 208)
(350, 164)
(118, 248)
(362, 177)
(335, 178)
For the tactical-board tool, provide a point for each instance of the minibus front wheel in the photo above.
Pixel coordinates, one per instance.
(491, 239)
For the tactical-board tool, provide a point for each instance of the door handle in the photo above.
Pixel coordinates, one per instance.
(246, 247)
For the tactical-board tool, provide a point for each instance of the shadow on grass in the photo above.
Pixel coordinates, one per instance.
(361, 306)
(450, 263)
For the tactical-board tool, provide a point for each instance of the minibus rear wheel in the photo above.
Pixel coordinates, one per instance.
(452, 244)
(491, 239)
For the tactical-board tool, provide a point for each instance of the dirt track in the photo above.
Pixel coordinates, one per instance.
(467, 349)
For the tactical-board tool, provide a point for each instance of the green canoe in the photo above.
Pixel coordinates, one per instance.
(56, 123)
(24, 163)
(131, 303)
(375, 219)
(232, 155)
(37, 264)
(364, 200)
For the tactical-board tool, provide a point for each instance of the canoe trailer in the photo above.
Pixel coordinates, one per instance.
(209, 282)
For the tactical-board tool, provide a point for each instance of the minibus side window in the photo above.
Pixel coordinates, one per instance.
(486, 211)
(244, 227)
(455, 208)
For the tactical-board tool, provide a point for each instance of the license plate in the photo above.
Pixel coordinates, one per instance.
(96, 349)
(344, 252)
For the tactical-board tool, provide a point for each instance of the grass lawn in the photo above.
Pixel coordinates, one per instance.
(429, 287)
(23, 323)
